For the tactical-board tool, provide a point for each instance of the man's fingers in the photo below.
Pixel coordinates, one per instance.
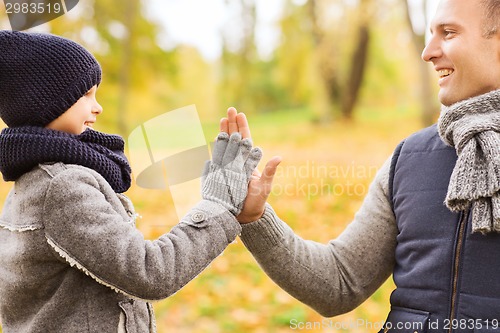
(256, 174)
(243, 128)
(224, 125)
(270, 170)
(235, 122)
(231, 117)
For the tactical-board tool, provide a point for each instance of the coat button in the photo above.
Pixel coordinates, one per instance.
(198, 217)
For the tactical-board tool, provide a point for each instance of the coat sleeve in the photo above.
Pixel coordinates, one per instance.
(331, 278)
(84, 229)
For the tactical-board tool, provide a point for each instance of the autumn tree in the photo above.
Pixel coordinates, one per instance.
(342, 87)
(238, 54)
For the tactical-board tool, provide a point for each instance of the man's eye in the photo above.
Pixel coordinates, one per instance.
(449, 33)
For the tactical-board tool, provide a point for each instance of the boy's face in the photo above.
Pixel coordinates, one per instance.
(467, 61)
(80, 116)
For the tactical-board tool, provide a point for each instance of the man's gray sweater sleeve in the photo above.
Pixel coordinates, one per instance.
(332, 278)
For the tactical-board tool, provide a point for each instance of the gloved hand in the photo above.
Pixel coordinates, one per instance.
(225, 178)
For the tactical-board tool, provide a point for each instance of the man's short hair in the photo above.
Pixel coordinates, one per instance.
(491, 10)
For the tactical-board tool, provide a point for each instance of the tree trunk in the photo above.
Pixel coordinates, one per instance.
(341, 95)
(356, 74)
(326, 67)
(131, 8)
(246, 53)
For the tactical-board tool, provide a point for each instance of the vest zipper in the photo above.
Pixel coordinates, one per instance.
(458, 250)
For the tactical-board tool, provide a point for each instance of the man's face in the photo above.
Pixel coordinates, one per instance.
(467, 62)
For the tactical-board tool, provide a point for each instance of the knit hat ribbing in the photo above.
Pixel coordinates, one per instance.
(42, 76)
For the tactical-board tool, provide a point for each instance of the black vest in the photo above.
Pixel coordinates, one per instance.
(447, 279)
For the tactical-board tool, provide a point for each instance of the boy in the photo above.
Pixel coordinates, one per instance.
(71, 257)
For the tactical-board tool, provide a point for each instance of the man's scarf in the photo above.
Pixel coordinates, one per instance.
(472, 126)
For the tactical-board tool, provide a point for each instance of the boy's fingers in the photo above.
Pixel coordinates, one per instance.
(224, 125)
(206, 169)
(232, 149)
(243, 127)
(252, 161)
(231, 117)
(220, 148)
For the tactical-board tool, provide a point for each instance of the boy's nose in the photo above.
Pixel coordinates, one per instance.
(97, 108)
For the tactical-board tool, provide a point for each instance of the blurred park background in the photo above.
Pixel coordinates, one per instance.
(330, 85)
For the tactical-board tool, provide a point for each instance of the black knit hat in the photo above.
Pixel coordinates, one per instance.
(42, 76)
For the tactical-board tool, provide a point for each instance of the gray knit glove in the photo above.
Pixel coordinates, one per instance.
(225, 178)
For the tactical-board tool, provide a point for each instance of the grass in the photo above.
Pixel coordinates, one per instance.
(325, 173)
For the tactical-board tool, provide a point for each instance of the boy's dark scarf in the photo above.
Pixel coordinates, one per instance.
(23, 148)
(472, 126)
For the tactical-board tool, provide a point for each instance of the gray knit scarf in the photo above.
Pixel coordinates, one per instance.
(472, 126)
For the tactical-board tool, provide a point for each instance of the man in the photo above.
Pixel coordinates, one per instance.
(432, 214)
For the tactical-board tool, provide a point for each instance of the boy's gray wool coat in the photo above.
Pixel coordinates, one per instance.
(72, 260)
